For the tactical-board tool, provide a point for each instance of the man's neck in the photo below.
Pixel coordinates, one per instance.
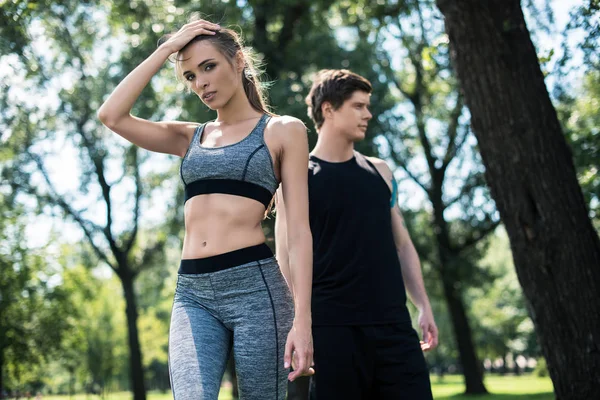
(332, 147)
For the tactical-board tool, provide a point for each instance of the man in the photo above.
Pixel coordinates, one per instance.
(364, 344)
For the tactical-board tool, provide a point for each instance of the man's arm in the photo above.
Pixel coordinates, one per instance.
(410, 265)
(413, 279)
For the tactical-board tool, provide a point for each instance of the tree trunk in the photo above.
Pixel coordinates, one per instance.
(471, 367)
(530, 172)
(464, 339)
(135, 354)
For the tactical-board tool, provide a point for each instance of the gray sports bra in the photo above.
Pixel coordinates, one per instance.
(243, 169)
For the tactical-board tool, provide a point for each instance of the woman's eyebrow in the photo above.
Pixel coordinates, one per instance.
(199, 65)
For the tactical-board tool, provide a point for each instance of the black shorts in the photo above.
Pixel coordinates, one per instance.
(378, 362)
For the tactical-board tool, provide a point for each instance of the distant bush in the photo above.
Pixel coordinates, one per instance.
(541, 369)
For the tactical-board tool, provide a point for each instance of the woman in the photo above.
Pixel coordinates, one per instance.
(230, 293)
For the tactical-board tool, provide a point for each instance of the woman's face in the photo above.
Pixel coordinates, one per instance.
(209, 73)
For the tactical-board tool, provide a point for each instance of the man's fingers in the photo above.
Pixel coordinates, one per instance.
(425, 346)
(434, 338)
(425, 330)
(433, 335)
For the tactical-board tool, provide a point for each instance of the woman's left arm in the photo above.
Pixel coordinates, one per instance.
(294, 184)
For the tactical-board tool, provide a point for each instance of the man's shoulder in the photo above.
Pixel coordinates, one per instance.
(381, 166)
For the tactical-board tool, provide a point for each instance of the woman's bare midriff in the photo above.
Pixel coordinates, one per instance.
(218, 223)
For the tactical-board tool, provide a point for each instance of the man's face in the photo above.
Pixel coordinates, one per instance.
(352, 118)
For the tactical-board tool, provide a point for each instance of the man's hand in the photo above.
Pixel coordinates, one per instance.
(429, 330)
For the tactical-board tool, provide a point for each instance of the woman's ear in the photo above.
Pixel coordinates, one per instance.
(240, 62)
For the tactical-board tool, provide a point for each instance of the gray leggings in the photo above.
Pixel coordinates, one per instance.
(247, 309)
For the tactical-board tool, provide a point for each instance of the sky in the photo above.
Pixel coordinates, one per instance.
(64, 168)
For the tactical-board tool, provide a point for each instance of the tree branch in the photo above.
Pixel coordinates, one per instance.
(416, 98)
(473, 181)
(88, 227)
(149, 254)
(452, 148)
(477, 236)
(400, 162)
(138, 196)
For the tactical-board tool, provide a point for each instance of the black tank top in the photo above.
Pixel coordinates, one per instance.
(356, 272)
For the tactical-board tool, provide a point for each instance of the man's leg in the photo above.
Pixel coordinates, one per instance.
(402, 373)
(298, 390)
(343, 364)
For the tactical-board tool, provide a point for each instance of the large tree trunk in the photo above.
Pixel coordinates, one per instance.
(135, 354)
(530, 172)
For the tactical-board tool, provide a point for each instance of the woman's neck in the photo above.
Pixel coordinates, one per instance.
(237, 109)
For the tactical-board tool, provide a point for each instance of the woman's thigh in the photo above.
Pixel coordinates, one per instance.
(199, 346)
(260, 336)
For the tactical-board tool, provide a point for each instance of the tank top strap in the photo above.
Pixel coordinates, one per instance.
(364, 159)
(361, 159)
(197, 138)
(261, 125)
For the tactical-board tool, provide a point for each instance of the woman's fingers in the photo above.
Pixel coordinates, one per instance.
(287, 358)
(301, 362)
(202, 24)
(202, 31)
(189, 32)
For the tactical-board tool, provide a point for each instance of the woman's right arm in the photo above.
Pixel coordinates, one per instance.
(169, 137)
(281, 248)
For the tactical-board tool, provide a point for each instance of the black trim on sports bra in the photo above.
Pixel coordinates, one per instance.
(228, 186)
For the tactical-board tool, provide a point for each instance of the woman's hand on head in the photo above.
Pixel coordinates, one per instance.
(188, 32)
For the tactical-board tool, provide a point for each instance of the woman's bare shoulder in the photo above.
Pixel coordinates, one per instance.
(287, 129)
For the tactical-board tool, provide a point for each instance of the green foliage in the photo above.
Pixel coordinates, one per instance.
(587, 18)
(37, 309)
(541, 369)
(580, 120)
(502, 324)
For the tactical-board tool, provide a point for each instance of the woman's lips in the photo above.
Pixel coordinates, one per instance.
(208, 96)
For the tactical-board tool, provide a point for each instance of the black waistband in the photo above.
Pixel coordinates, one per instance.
(228, 186)
(225, 260)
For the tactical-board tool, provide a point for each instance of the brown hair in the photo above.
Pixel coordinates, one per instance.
(229, 43)
(334, 86)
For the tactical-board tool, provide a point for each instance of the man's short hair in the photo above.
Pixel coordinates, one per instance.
(334, 86)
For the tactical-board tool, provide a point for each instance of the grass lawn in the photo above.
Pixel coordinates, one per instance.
(500, 387)
(449, 388)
